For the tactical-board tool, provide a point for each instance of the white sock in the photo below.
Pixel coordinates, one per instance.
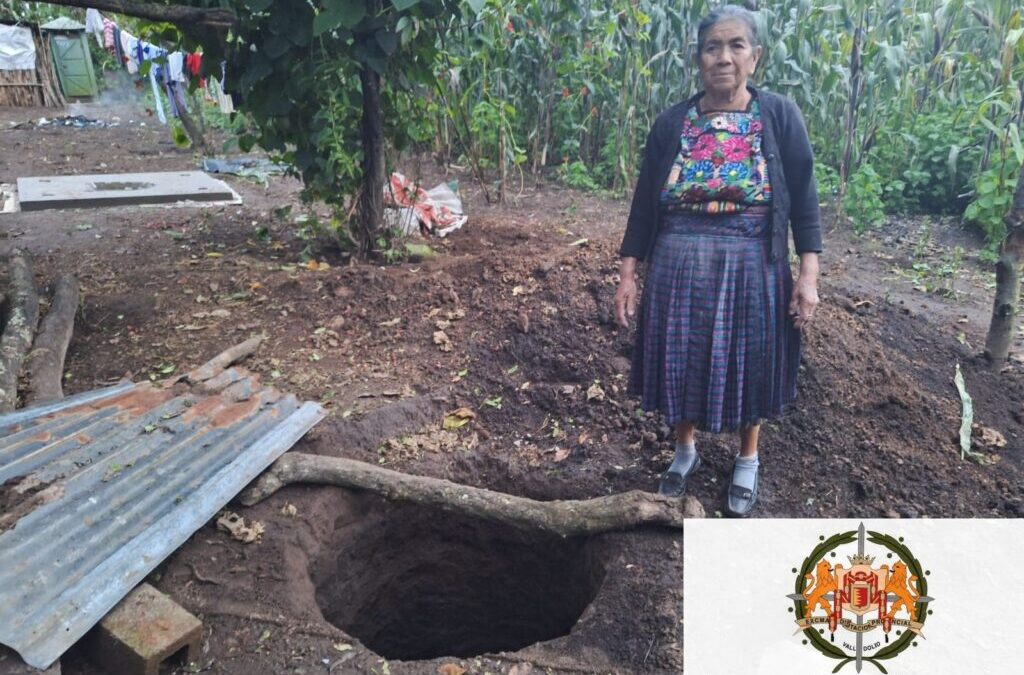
(686, 455)
(745, 471)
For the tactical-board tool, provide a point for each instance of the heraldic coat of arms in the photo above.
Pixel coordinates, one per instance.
(863, 603)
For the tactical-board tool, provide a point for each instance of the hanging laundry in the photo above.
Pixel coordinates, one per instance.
(118, 51)
(224, 102)
(108, 36)
(156, 97)
(193, 64)
(176, 67)
(94, 24)
(128, 47)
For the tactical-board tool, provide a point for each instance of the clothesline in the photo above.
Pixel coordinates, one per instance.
(168, 71)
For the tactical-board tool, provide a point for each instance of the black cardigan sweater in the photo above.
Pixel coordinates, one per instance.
(790, 168)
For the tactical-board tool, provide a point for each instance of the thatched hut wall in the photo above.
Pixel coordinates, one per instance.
(20, 88)
(33, 88)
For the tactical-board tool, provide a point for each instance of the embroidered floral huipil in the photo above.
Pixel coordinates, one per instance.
(720, 167)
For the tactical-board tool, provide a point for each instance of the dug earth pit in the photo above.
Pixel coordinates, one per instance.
(416, 583)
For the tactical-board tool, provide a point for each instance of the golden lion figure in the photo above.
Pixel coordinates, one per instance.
(823, 585)
(906, 596)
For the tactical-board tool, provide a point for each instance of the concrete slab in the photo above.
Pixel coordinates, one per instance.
(144, 630)
(119, 189)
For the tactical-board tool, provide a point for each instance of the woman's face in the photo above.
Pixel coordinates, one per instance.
(727, 58)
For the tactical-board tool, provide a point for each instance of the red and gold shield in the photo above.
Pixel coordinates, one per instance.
(861, 588)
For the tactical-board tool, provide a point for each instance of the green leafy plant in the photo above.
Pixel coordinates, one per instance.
(993, 195)
(827, 180)
(863, 200)
(577, 175)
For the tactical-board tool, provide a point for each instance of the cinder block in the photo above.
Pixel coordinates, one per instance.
(143, 631)
(11, 664)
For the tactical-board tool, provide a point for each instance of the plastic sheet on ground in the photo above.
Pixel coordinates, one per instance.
(436, 212)
(248, 167)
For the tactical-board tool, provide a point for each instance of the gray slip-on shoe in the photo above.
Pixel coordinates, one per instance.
(673, 483)
(739, 501)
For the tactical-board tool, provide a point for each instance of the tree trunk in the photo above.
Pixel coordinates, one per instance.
(1011, 255)
(45, 365)
(195, 134)
(180, 14)
(371, 194)
(564, 518)
(22, 317)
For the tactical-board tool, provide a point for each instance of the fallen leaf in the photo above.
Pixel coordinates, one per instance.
(342, 647)
(391, 322)
(561, 454)
(450, 669)
(289, 510)
(457, 419)
(442, 324)
(595, 392)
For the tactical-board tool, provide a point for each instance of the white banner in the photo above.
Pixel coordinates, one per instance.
(747, 599)
(17, 48)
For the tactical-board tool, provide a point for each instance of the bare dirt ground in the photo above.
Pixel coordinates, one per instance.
(527, 319)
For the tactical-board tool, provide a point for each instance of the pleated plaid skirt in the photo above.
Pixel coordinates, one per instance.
(715, 344)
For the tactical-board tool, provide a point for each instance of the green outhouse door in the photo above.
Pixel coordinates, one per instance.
(74, 65)
(71, 57)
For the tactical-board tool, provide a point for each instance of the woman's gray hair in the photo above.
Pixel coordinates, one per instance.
(728, 13)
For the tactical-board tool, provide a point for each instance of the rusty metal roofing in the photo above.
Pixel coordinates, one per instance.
(97, 489)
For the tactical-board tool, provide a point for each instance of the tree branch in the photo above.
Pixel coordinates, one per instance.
(215, 17)
(566, 518)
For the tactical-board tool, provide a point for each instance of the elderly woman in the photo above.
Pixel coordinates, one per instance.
(718, 336)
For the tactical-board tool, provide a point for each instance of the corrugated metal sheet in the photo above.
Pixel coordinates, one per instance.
(96, 490)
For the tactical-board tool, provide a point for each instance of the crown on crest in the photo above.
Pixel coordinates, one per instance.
(860, 559)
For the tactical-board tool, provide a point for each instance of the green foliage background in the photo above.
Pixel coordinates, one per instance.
(930, 110)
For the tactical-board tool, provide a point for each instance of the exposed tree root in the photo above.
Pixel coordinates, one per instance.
(564, 518)
(22, 317)
(45, 364)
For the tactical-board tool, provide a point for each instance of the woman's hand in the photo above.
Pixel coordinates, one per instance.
(805, 292)
(625, 296)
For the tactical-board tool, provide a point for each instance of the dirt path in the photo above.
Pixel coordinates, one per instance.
(526, 314)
